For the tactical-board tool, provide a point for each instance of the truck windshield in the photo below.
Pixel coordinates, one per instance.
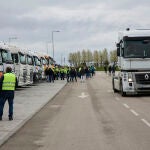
(15, 57)
(137, 49)
(29, 60)
(6, 56)
(22, 58)
(37, 61)
(44, 62)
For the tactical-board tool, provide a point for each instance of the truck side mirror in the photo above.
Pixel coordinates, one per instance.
(118, 49)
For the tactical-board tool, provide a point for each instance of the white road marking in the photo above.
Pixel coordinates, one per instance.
(146, 122)
(83, 95)
(134, 112)
(117, 98)
(125, 105)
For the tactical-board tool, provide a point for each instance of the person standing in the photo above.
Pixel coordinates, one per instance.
(82, 73)
(68, 74)
(109, 69)
(62, 73)
(113, 69)
(51, 75)
(8, 84)
(105, 68)
(75, 74)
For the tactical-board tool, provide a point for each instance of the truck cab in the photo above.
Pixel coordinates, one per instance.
(133, 51)
(37, 71)
(19, 59)
(30, 68)
(5, 58)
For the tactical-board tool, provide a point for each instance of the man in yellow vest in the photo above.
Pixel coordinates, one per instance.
(8, 85)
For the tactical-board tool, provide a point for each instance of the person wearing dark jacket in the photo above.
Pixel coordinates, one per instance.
(8, 84)
(51, 74)
(82, 73)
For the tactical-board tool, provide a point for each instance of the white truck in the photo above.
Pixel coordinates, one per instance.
(5, 58)
(37, 69)
(44, 64)
(133, 51)
(30, 68)
(20, 64)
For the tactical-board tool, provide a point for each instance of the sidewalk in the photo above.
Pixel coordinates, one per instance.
(28, 101)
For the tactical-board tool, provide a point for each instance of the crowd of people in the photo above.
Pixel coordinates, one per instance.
(8, 82)
(70, 73)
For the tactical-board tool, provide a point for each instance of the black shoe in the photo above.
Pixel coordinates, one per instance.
(0, 118)
(10, 118)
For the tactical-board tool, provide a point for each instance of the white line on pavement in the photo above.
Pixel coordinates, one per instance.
(146, 122)
(134, 112)
(126, 106)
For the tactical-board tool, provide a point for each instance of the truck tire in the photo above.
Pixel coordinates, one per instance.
(113, 86)
(121, 90)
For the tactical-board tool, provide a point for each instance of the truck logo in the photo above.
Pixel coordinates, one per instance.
(146, 76)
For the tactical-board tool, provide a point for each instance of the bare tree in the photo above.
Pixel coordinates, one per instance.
(101, 58)
(86, 56)
(96, 58)
(78, 58)
(105, 56)
(89, 57)
(113, 56)
(83, 56)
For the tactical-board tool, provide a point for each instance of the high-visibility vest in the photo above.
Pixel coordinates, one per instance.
(61, 70)
(9, 82)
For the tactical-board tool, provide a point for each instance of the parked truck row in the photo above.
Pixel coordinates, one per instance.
(28, 66)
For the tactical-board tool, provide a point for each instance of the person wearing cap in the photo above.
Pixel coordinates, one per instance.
(7, 86)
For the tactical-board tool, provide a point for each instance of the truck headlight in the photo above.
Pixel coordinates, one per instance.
(130, 79)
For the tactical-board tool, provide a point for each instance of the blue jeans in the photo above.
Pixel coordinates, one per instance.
(51, 78)
(4, 96)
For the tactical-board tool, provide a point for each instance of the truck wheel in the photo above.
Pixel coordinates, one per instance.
(113, 86)
(121, 90)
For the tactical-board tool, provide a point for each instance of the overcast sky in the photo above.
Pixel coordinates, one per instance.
(83, 24)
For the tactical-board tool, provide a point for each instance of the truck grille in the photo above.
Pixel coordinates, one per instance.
(24, 75)
(31, 75)
(142, 78)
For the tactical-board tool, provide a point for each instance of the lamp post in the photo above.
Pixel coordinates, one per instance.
(11, 38)
(53, 42)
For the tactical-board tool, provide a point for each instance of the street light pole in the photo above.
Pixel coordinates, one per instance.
(53, 42)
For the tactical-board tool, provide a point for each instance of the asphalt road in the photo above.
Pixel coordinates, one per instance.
(87, 116)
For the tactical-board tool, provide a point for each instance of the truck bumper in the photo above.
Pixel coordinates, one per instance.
(142, 88)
